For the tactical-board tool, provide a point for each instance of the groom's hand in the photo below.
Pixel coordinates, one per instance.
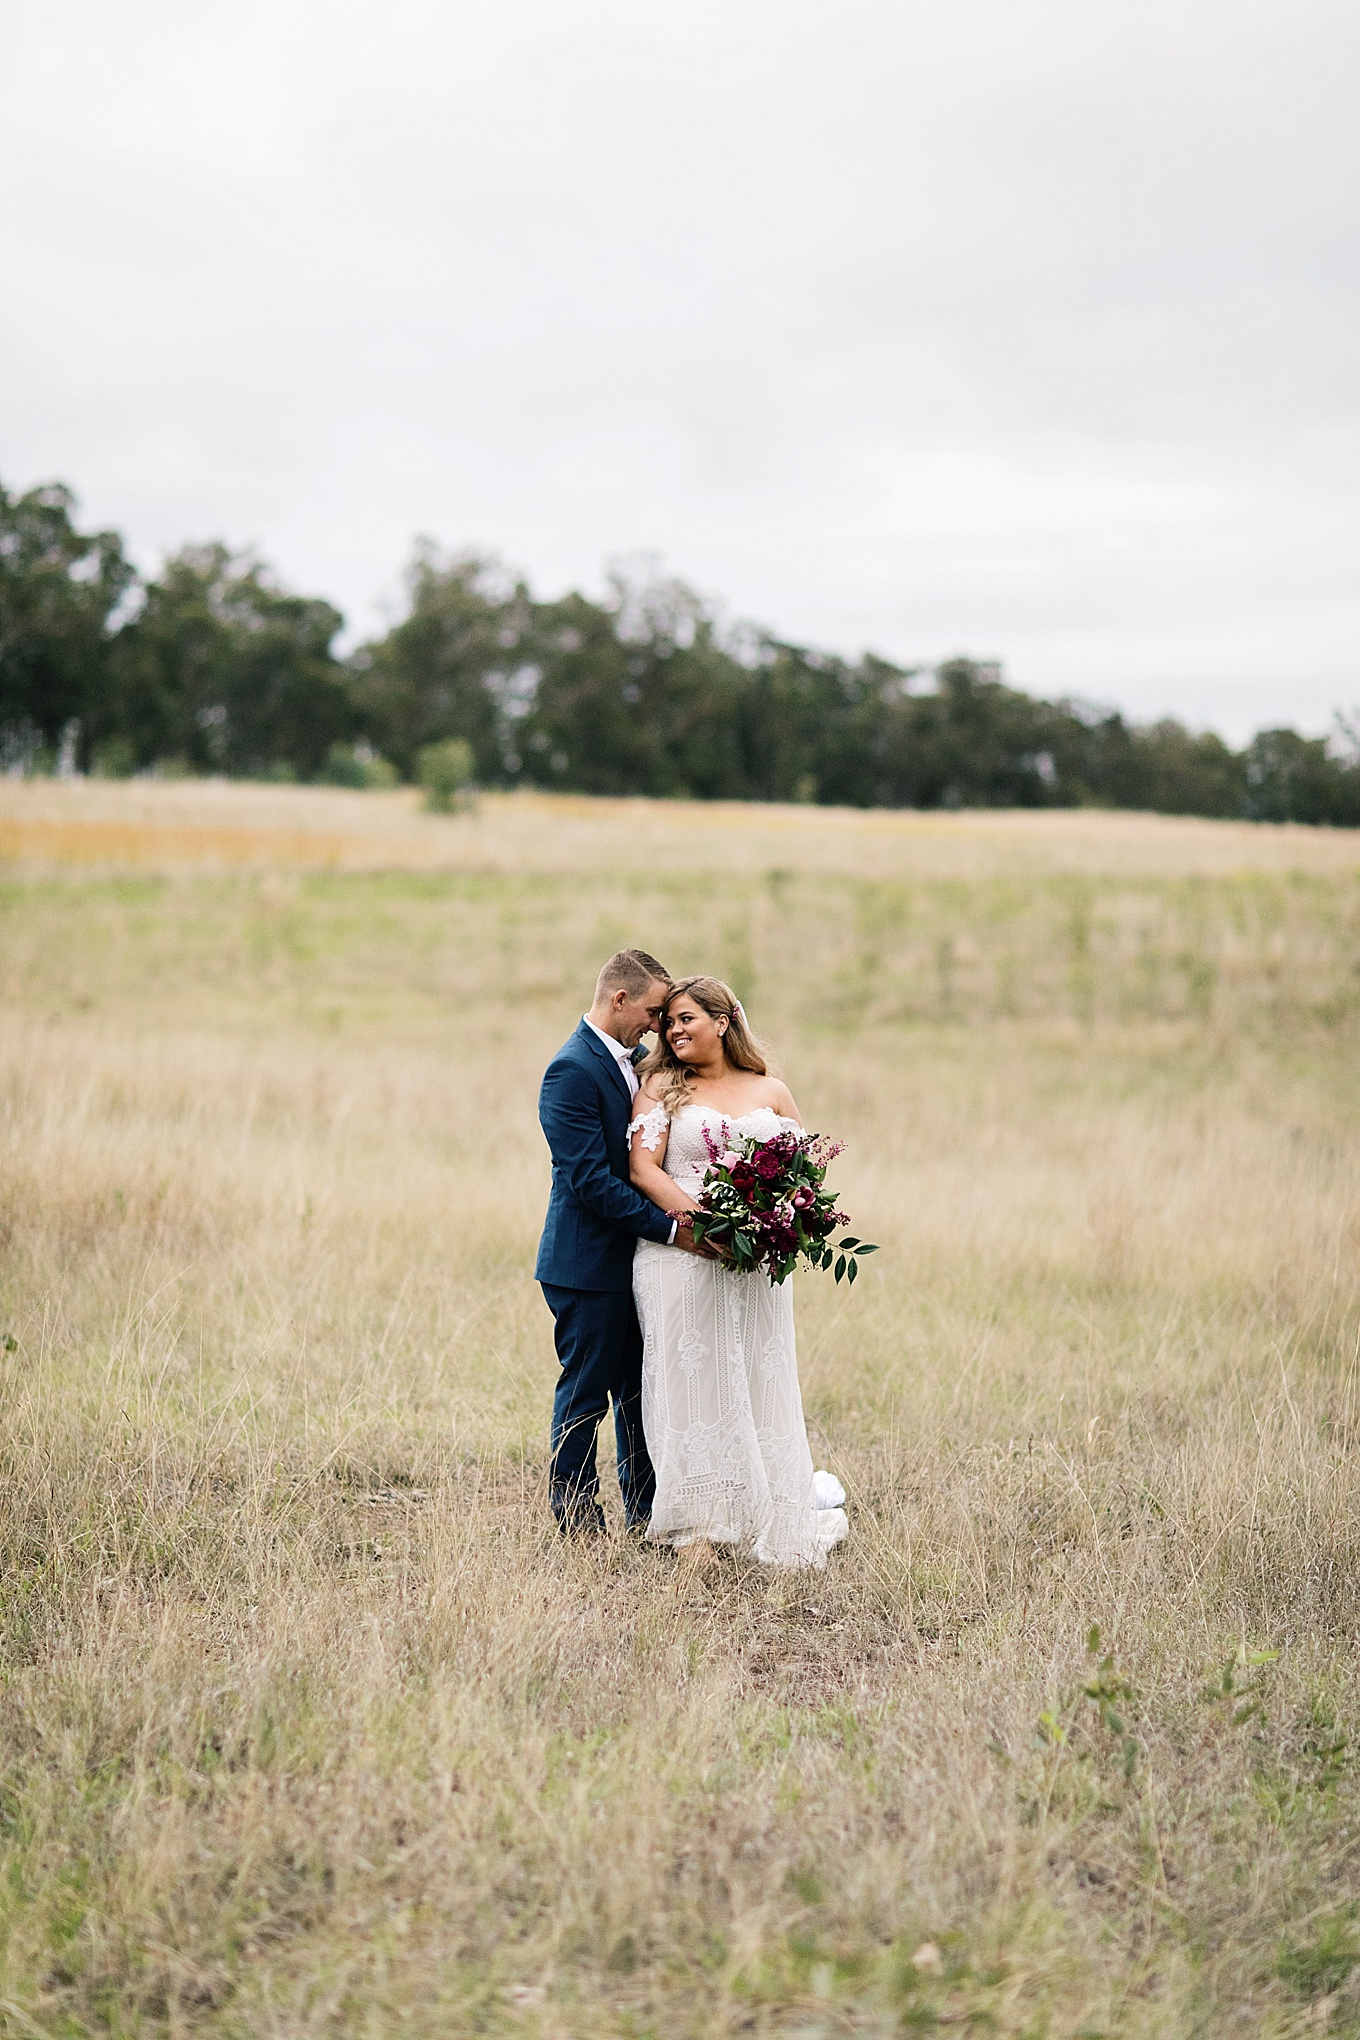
(705, 1249)
(684, 1234)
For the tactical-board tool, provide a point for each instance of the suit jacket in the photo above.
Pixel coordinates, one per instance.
(594, 1214)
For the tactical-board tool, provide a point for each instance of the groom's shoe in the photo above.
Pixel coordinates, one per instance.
(583, 1519)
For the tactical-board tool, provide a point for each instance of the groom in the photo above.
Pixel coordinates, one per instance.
(585, 1258)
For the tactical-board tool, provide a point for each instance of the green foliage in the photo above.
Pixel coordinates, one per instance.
(847, 1264)
(1240, 1691)
(1290, 778)
(226, 670)
(458, 666)
(221, 670)
(59, 590)
(446, 774)
(1326, 1750)
(1322, 1960)
(1108, 1737)
(358, 765)
(1112, 1696)
(1162, 767)
(113, 758)
(636, 696)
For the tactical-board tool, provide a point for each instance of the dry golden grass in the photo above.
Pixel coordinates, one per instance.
(225, 824)
(308, 1726)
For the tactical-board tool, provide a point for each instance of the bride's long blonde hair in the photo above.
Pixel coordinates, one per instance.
(741, 1050)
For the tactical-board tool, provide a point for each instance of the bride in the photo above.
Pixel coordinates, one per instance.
(721, 1408)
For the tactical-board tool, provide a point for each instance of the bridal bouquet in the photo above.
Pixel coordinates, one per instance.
(763, 1202)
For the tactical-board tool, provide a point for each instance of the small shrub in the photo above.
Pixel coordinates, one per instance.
(446, 775)
(114, 758)
(358, 765)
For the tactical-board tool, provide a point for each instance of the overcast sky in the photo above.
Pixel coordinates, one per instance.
(1026, 328)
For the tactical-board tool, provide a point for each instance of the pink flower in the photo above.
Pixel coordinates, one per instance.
(802, 1198)
(728, 1160)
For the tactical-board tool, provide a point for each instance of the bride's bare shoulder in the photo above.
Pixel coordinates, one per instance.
(648, 1094)
(767, 1094)
(780, 1099)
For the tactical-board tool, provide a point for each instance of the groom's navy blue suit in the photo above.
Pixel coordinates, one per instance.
(585, 1266)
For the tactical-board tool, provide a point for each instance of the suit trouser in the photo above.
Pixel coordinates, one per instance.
(599, 1346)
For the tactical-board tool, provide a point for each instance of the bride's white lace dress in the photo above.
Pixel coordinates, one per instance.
(721, 1406)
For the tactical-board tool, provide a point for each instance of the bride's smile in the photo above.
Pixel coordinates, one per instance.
(695, 1038)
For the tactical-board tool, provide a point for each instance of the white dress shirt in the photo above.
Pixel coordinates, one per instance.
(624, 1058)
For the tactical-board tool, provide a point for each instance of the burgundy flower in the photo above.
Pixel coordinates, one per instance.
(769, 1194)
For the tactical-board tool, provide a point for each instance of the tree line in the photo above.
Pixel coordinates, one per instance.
(212, 667)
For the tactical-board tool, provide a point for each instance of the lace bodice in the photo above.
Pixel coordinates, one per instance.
(687, 1159)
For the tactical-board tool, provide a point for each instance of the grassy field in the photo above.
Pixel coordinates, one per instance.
(308, 1727)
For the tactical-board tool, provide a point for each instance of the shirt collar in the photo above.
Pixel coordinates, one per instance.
(616, 1048)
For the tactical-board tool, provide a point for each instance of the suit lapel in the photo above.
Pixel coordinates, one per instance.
(597, 1047)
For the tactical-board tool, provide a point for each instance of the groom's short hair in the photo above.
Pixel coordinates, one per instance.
(631, 971)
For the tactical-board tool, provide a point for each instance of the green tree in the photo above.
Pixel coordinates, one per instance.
(224, 670)
(970, 741)
(446, 771)
(637, 695)
(879, 735)
(1290, 778)
(228, 672)
(1160, 766)
(459, 665)
(574, 725)
(59, 592)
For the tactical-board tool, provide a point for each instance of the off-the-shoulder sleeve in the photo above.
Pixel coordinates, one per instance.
(652, 1126)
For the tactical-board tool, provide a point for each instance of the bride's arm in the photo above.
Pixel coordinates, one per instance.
(648, 1138)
